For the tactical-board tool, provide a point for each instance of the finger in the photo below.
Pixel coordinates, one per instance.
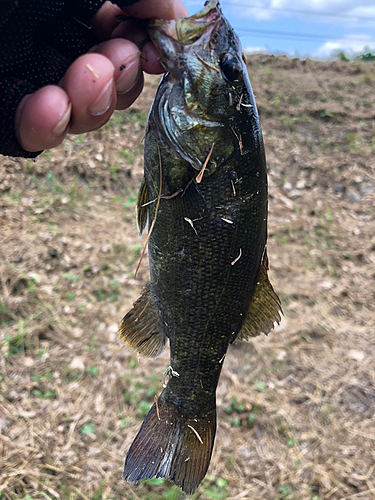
(126, 100)
(125, 57)
(89, 84)
(148, 9)
(106, 20)
(42, 119)
(133, 30)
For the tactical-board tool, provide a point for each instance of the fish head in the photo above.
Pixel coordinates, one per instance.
(207, 77)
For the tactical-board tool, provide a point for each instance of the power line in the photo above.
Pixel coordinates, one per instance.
(298, 36)
(297, 11)
(291, 11)
(284, 35)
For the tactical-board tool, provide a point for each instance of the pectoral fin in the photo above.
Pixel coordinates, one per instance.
(140, 330)
(264, 309)
(142, 207)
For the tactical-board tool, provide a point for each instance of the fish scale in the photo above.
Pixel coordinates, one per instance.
(204, 195)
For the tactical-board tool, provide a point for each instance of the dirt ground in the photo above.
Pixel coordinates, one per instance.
(295, 409)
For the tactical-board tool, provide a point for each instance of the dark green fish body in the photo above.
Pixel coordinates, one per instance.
(205, 196)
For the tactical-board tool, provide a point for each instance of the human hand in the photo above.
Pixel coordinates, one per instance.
(108, 77)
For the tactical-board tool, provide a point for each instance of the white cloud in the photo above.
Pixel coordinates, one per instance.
(339, 11)
(351, 44)
(255, 50)
(258, 11)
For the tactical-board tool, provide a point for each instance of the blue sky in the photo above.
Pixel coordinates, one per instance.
(314, 28)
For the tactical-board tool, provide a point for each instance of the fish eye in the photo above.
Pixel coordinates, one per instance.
(230, 67)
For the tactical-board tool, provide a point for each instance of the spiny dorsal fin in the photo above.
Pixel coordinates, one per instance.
(264, 309)
(142, 208)
(140, 330)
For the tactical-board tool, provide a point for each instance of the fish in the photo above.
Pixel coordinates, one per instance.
(204, 200)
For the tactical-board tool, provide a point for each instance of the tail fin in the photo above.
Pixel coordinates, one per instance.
(172, 446)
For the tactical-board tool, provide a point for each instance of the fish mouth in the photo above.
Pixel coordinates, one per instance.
(184, 30)
(182, 107)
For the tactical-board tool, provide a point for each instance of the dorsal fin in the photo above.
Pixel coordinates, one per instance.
(140, 330)
(265, 307)
(142, 207)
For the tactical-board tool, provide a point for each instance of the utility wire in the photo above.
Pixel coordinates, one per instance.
(297, 11)
(298, 36)
(289, 11)
(284, 35)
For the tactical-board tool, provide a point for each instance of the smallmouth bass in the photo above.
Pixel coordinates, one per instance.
(204, 197)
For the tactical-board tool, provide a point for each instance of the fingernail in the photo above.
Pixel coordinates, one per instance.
(104, 100)
(128, 78)
(63, 123)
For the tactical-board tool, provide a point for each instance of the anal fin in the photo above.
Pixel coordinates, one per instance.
(140, 330)
(142, 208)
(265, 307)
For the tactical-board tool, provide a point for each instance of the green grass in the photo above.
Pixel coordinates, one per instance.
(18, 343)
(71, 375)
(70, 296)
(129, 156)
(261, 386)
(143, 408)
(49, 394)
(93, 370)
(216, 488)
(47, 376)
(71, 277)
(131, 201)
(88, 428)
(5, 314)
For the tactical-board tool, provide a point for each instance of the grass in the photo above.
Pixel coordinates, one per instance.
(88, 428)
(45, 394)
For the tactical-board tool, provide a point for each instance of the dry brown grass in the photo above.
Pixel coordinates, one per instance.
(296, 408)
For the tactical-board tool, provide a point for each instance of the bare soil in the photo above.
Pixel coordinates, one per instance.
(295, 409)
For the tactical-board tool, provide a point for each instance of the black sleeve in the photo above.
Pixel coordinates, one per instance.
(39, 39)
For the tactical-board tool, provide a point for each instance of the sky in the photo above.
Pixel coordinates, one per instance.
(300, 28)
